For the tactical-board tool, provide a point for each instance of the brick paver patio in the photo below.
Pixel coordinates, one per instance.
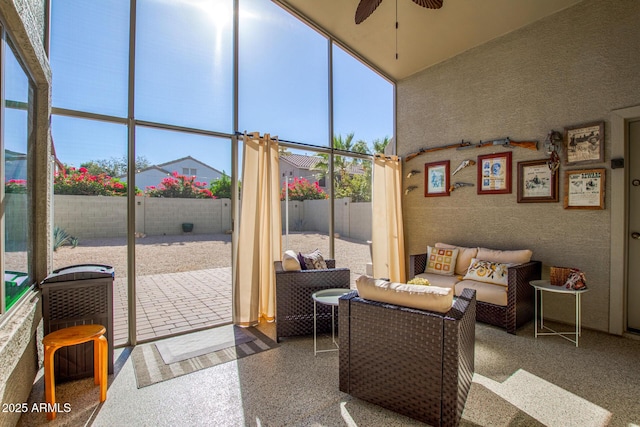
(172, 303)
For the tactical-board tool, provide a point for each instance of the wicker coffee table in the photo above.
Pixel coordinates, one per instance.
(327, 297)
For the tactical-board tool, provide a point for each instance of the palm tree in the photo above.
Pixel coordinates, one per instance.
(341, 163)
(380, 144)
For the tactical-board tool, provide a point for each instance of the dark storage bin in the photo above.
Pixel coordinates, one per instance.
(78, 295)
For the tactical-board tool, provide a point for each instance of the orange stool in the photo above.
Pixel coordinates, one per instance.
(71, 336)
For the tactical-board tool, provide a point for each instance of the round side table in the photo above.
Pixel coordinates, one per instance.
(327, 297)
(542, 286)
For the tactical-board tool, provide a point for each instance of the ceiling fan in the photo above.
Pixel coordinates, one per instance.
(366, 7)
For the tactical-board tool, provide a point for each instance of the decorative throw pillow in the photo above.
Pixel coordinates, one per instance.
(314, 261)
(290, 261)
(464, 256)
(441, 260)
(488, 272)
(303, 266)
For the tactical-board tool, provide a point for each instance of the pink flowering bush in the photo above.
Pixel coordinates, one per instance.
(15, 186)
(180, 186)
(302, 189)
(81, 182)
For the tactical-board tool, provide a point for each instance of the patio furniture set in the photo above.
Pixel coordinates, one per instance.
(405, 347)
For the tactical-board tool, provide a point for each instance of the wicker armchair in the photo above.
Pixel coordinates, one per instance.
(294, 306)
(520, 295)
(415, 362)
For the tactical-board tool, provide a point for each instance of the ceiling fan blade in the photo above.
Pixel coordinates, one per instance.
(429, 4)
(366, 8)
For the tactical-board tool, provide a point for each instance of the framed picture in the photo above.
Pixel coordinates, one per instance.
(584, 189)
(536, 182)
(494, 173)
(584, 143)
(436, 179)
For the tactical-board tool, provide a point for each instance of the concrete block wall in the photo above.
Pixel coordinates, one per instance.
(351, 220)
(165, 216)
(87, 217)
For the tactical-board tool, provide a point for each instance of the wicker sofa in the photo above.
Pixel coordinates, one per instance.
(415, 362)
(508, 307)
(294, 305)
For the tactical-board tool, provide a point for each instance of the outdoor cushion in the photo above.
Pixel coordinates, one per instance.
(488, 271)
(488, 292)
(506, 257)
(441, 260)
(464, 257)
(440, 280)
(431, 298)
(290, 261)
(314, 261)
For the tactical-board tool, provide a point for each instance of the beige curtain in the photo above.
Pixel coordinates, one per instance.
(260, 232)
(387, 233)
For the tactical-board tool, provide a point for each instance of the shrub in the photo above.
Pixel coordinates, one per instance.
(18, 186)
(302, 189)
(180, 186)
(80, 182)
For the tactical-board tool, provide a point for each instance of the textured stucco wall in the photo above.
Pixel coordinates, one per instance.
(570, 68)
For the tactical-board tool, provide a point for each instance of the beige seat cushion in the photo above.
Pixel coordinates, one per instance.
(505, 257)
(464, 256)
(486, 292)
(440, 280)
(431, 298)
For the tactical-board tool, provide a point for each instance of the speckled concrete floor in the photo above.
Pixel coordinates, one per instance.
(518, 381)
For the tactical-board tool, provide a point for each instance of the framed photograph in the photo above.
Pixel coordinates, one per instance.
(584, 143)
(584, 189)
(494, 173)
(536, 182)
(436, 179)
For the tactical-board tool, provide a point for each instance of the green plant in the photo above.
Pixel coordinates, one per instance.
(61, 237)
(221, 187)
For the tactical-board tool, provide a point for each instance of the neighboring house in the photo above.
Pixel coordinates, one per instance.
(153, 175)
(300, 166)
(15, 165)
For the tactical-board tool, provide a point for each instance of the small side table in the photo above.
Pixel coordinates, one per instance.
(545, 286)
(327, 297)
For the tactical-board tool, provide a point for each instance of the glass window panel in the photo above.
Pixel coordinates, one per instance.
(305, 204)
(184, 63)
(283, 75)
(184, 249)
(17, 209)
(89, 55)
(90, 207)
(363, 101)
(353, 214)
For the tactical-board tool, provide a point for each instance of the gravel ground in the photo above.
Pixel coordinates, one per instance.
(187, 252)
